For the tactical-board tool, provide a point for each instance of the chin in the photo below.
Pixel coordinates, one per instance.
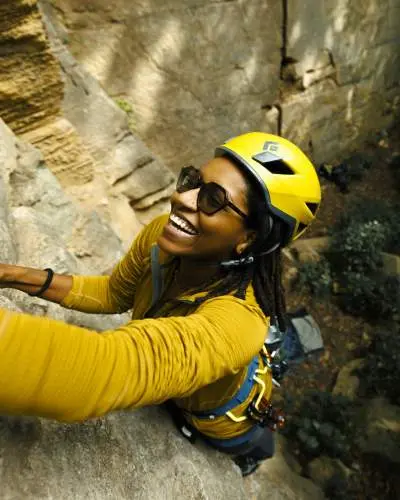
(169, 247)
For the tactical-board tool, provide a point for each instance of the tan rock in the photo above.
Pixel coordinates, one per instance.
(63, 151)
(391, 264)
(30, 85)
(347, 382)
(276, 479)
(309, 249)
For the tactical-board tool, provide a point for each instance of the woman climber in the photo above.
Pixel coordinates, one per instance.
(203, 283)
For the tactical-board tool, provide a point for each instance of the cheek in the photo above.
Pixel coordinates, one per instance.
(220, 226)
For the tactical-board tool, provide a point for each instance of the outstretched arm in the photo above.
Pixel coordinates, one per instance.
(93, 294)
(60, 371)
(31, 280)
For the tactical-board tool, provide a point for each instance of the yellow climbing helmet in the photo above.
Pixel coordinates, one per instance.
(287, 177)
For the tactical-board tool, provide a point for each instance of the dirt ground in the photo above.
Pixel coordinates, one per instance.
(346, 336)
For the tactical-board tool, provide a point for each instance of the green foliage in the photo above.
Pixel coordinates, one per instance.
(324, 424)
(395, 169)
(373, 219)
(375, 297)
(352, 265)
(128, 109)
(124, 105)
(381, 371)
(317, 277)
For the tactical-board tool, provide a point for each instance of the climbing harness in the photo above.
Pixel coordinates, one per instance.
(280, 352)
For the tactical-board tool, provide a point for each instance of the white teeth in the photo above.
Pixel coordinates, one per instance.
(182, 224)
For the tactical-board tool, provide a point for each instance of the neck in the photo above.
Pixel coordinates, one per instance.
(193, 273)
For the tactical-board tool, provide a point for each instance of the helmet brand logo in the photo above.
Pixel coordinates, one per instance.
(272, 147)
(271, 153)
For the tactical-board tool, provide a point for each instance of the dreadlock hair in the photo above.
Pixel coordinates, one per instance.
(265, 272)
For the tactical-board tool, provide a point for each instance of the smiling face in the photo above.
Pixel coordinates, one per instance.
(193, 234)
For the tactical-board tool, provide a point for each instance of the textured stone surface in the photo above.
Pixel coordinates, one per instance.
(197, 73)
(112, 168)
(194, 73)
(277, 481)
(30, 84)
(65, 154)
(91, 147)
(127, 455)
(324, 469)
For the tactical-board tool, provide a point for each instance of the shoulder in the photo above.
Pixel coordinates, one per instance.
(242, 318)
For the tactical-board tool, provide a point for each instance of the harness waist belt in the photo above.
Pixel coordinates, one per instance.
(240, 397)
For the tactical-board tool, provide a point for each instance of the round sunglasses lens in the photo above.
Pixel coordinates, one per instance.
(188, 179)
(211, 198)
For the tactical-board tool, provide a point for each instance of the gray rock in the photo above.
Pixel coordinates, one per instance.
(125, 167)
(276, 480)
(7, 250)
(125, 455)
(205, 71)
(38, 243)
(146, 180)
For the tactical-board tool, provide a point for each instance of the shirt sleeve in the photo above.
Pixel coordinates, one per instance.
(60, 371)
(115, 293)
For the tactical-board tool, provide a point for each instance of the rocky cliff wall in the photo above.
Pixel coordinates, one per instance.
(48, 98)
(31, 90)
(325, 74)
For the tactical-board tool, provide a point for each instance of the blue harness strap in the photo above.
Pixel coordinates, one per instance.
(240, 397)
(156, 277)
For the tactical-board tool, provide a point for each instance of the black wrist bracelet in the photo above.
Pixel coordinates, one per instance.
(46, 284)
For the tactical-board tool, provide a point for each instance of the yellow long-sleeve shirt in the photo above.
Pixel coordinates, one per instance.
(197, 355)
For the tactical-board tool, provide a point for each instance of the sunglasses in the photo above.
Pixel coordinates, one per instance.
(211, 198)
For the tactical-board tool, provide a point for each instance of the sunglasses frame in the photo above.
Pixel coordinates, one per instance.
(200, 184)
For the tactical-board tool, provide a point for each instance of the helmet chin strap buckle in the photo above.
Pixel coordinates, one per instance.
(243, 261)
(249, 259)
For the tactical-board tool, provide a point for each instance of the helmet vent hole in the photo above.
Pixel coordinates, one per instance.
(301, 227)
(313, 207)
(273, 166)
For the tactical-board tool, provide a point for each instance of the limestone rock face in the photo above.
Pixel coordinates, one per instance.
(30, 86)
(82, 133)
(324, 74)
(126, 455)
(193, 72)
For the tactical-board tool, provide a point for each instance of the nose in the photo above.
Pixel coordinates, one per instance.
(186, 200)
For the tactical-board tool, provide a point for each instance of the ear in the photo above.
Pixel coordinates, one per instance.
(248, 238)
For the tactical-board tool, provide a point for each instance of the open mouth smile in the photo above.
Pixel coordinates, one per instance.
(182, 225)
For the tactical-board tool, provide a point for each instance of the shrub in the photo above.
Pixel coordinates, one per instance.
(317, 277)
(352, 265)
(374, 297)
(381, 372)
(323, 424)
